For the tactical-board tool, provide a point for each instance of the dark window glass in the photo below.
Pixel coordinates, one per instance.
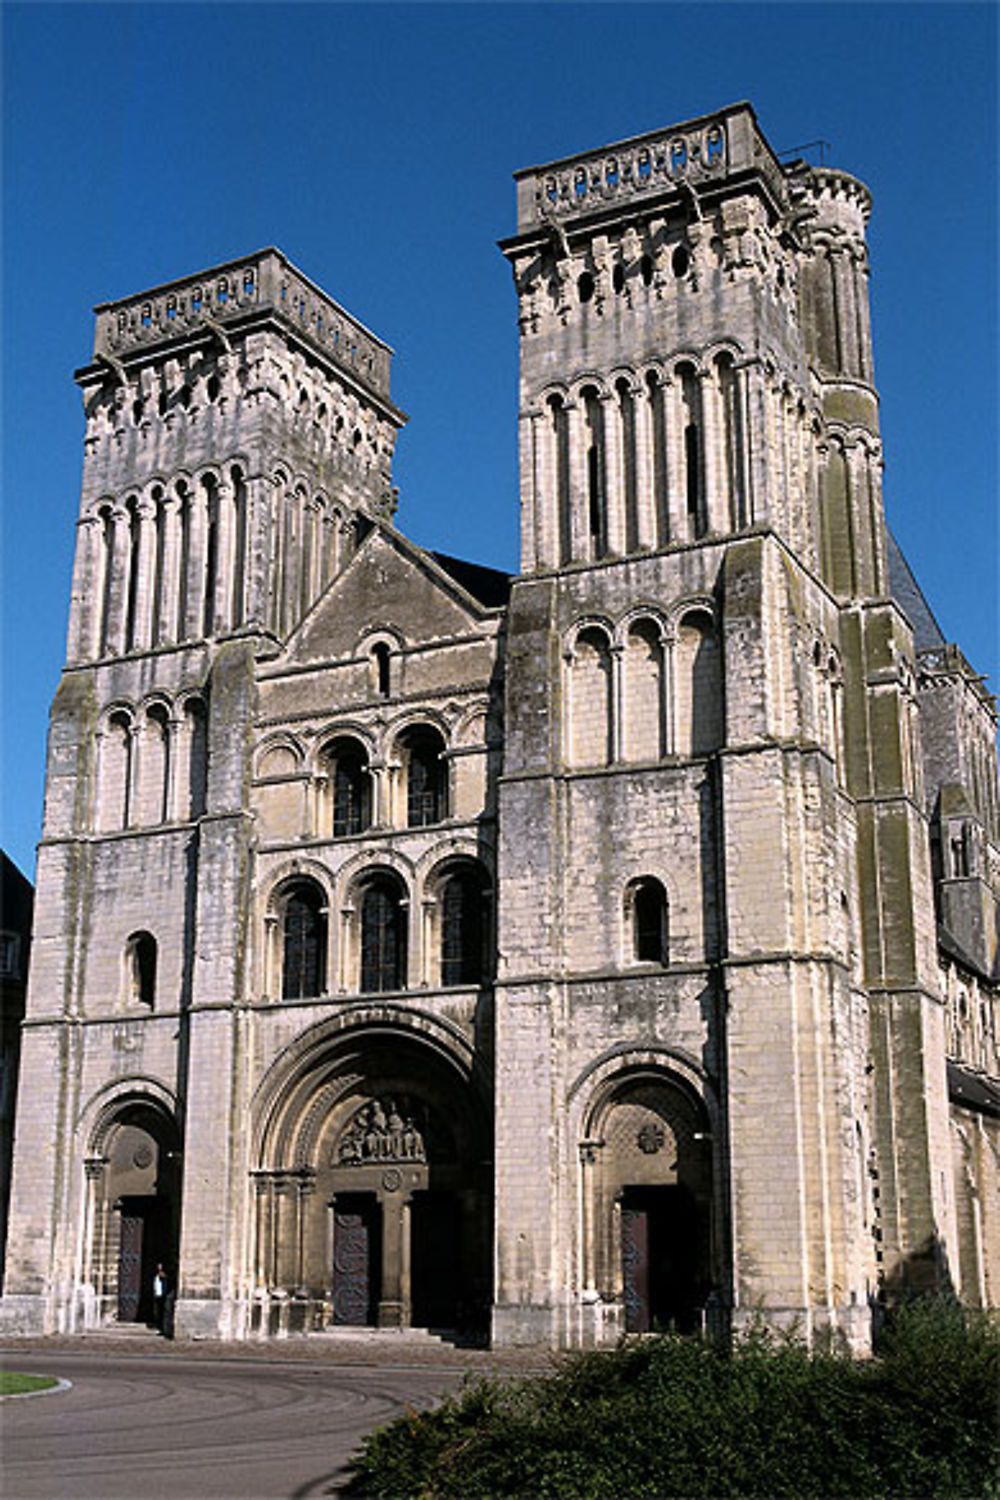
(461, 931)
(383, 938)
(142, 964)
(304, 969)
(351, 792)
(649, 913)
(425, 785)
(380, 658)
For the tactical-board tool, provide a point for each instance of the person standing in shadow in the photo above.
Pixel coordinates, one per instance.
(160, 1291)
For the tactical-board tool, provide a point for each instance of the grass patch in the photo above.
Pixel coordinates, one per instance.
(675, 1417)
(13, 1384)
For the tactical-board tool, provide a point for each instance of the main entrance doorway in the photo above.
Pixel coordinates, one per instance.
(384, 1217)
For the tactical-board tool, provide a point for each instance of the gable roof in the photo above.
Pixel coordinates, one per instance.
(392, 584)
(904, 588)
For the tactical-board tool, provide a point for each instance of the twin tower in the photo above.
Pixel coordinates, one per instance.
(542, 958)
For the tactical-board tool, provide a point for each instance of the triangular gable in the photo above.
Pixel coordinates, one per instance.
(389, 584)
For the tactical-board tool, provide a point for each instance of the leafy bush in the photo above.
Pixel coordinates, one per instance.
(673, 1417)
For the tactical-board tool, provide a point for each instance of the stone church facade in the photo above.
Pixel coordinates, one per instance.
(549, 957)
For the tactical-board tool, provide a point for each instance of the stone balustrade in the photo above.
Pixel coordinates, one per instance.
(222, 294)
(699, 150)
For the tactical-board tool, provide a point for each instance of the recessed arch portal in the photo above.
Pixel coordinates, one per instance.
(373, 1183)
(132, 1214)
(648, 1228)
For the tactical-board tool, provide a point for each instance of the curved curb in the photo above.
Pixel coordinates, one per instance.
(48, 1390)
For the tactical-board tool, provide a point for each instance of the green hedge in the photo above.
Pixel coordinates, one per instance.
(672, 1417)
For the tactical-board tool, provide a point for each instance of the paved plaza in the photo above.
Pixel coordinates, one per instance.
(145, 1420)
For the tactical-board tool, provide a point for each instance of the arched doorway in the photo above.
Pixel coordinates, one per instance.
(649, 1227)
(374, 1194)
(133, 1178)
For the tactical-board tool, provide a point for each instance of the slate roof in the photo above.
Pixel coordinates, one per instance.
(904, 588)
(488, 585)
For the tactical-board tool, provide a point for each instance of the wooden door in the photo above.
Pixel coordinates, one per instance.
(635, 1268)
(130, 1264)
(356, 1260)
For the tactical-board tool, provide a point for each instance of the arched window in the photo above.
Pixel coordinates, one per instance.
(132, 596)
(650, 926)
(210, 491)
(559, 447)
(694, 483)
(140, 969)
(732, 441)
(597, 515)
(380, 667)
(383, 936)
(303, 970)
(463, 929)
(426, 778)
(350, 788)
(628, 471)
(107, 577)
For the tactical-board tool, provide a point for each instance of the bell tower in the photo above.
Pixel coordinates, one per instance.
(239, 428)
(699, 649)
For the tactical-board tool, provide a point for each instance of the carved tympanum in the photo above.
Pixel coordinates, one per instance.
(381, 1131)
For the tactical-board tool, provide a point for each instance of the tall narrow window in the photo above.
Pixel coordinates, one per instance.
(731, 440)
(351, 788)
(380, 669)
(133, 573)
(383, 936)
(426, 779)
(650, 934)
(462, 929)
(239, 502)
(560, 475)
(159, 561)
(626, 412)
(211, 503)
(597, 508)
(192, 761)
(107, 576)
(140, 969)
(304, 947)
(693, 477)
(654, 396)
(184, 565)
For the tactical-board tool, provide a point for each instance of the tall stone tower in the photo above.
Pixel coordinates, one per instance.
(712, 843)
(239, 436)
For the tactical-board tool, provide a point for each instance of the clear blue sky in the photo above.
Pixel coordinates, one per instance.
(375, 144)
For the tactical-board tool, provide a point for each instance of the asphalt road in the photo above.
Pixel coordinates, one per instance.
(166, 1427)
